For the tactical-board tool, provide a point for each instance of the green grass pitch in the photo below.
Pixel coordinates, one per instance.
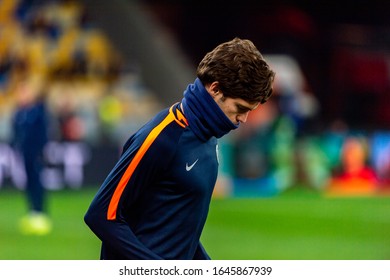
(293, 226)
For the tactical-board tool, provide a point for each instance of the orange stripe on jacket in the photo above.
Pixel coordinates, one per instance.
(113, 206)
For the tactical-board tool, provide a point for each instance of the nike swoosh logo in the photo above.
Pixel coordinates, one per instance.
(188, 168)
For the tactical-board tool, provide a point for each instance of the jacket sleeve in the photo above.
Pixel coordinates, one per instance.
(116, 232)
(118, 236)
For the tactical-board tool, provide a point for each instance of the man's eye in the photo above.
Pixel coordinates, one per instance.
(241, 110)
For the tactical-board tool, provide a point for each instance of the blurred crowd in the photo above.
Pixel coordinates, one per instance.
(93, 98)
(284, 144)
(53, 45)
(271, 159)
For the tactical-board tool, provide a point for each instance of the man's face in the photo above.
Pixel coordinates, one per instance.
(236, 109)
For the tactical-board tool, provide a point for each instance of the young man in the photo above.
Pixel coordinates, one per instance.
(155, 201)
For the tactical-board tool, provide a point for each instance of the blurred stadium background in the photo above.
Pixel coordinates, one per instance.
(307, 177)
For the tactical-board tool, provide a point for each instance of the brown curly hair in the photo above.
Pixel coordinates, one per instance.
(240, 69)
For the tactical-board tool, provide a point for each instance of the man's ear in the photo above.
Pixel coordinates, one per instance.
(213, 89)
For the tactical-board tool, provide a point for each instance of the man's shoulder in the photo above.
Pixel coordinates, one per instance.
(162, 129)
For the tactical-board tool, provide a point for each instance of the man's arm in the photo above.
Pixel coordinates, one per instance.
(145, 157)
(117, 235)
(105, 215)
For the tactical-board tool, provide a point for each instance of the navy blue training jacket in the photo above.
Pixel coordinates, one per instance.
(155, 201)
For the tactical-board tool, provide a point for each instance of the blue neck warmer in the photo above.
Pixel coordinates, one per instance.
(203, 114)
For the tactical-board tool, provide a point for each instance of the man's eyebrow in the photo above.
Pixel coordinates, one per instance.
(243, 107)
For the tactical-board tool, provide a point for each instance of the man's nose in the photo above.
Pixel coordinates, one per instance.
(242, 117)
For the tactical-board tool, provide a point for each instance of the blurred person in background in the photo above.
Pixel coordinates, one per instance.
(354, 175)
(155, 201)
(30, 135)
